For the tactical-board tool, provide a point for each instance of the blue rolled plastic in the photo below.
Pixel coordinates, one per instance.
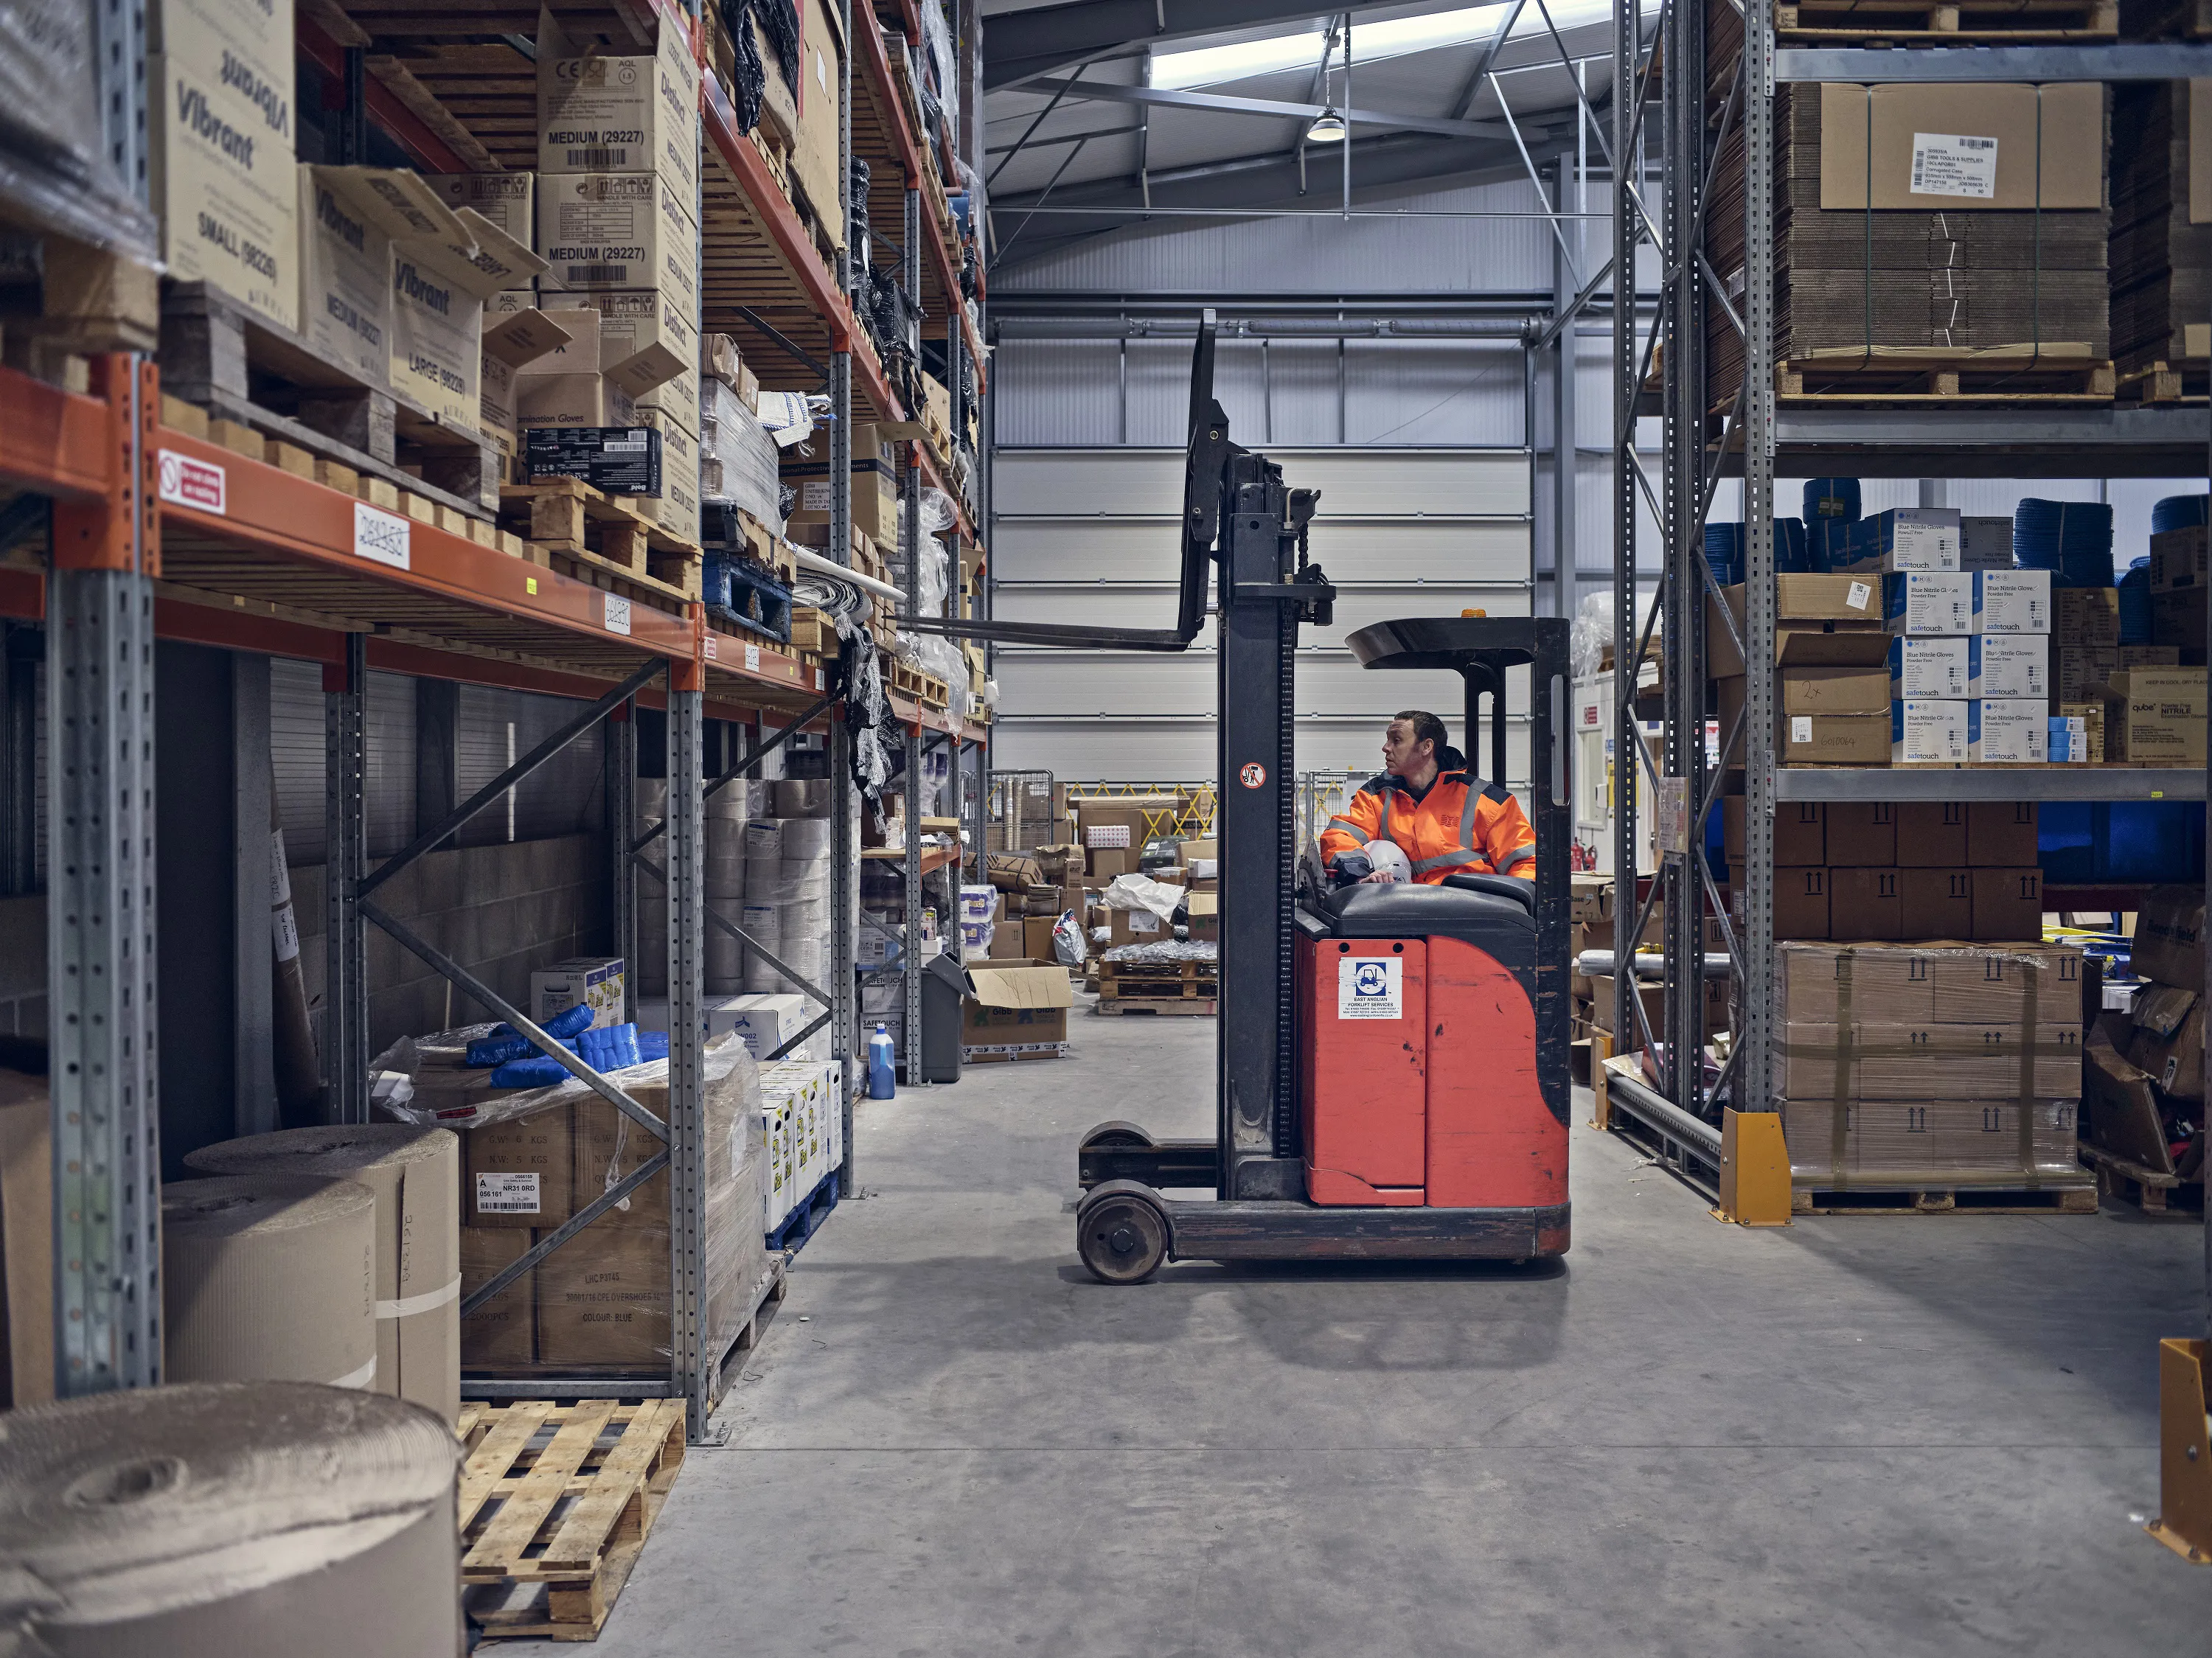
(1831, 500)
(2072, 539)
(536, 1071)
(611, 1048)
(2178, 513)
(1792, 548)
(651, 1045)
(498, 1050)
(569, 1021)
(1724, 552)
(2135, 603)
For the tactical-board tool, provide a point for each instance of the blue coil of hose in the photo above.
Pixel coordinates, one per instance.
(1832, 500)
(2135, 603)
(1827, 545)
(1792, 547)
(1724, 553)
(2072, 539)
(2178, 513)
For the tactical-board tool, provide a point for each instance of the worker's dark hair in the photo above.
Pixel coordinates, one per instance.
(1427, 728)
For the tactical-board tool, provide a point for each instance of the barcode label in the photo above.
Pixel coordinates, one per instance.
(506, 1194)
(1949, 164)
(600, 158)
(617, 275)
(636, 443)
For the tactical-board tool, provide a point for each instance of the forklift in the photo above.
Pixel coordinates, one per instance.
(1392, 1074)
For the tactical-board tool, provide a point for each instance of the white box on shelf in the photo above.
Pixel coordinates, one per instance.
(1929, 665)
(2010, 730)
(1985, 544)
(595, 980)
(1929, 730)
(1929, 601)
(2011, 601)
(2010, 665)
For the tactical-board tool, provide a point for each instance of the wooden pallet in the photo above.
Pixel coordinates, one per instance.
(555, 1503)
(925, 688)
(240, 367)
(2147, 1189)
(1189, 1008)
(1918, 375)
(2162, 382)
(1161, 981)
(2060, 1196)
(1957, 22)
(811, 631)
(567, 517)
(71, 298)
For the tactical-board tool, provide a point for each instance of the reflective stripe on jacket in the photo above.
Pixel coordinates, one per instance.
(1462, 826)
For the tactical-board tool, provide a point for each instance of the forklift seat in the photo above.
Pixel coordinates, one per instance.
(1501, 926)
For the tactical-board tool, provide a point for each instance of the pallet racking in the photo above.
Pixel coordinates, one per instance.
(161, 532)
(1670, 130)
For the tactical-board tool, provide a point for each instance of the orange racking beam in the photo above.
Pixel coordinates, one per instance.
(54, 441)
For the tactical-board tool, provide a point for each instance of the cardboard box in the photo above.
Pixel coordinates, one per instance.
(1007, 944)
(1202, 911)
(517, 1172)
(2000, 833)
(2011, 601)
(1936, 903)
(648, 341)
(1107, 862)
(2008, 904)
(439, 290)
(1985, 544)
(2156, 716)
(223, 182)
(2009, 731)
(502, 1333)
(763, 1021)
(1060, 863)
(1016, 1004)
(619, 231)
(512, 340)
(2178, 619)
(349, 217)
(2086, 616)
(1903, 538)
(1930, 731)
(1928, 1142)
(2007, 666)
(678, 507)
(246, 46)
(26, 1236)
(2023, 980)
(1935, 148)
(1834, 740)
(1930, 835)
(2081, 671)
(1928, 666)
(1871, 1060)
(1863, 833)
(1800, 836)
(2169, 936)
(1801, 900)
(2077, 734)
(1137, 926)
(1590, 896)
(2150, 656)
(1824, 984)
(1929, 601)
(1820, 620)
(637, 115)
(875, 500)
(587, 399)
(2177, 558)
(508, 199)
(1012, 872)
(597, 981)
(1036, 936)
(2167, 1042)
(814, 156)
(607, 1303)
(1864, 903)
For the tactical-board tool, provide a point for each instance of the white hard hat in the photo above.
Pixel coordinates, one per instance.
(1390, 856)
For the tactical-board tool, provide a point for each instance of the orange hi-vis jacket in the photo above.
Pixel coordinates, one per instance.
(1461, 826)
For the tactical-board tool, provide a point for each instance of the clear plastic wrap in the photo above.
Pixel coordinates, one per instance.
(790, 417)
(740, 459)
(1166, 951)
(1591, 634)
(943, 71)
(1160, 898)
(55, 171)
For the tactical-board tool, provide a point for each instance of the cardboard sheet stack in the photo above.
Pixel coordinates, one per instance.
(1920, 1066)
(2162, 245)
(1949, 218)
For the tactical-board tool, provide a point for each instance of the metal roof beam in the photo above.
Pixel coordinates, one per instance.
(1020, 45)
(1223, 104)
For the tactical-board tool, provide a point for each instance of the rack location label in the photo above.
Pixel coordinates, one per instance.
(618, 614)
(195, 484)
(381, 536)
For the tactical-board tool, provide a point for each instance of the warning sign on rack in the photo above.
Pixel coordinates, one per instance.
(1370, 987)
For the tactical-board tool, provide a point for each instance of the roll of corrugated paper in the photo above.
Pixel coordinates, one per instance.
(415, 1173)
(270, 1278)
(242, 1519)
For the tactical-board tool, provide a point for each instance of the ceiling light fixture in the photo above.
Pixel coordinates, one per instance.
(1329, 128)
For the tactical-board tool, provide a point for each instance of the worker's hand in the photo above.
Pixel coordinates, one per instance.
(1381, 878)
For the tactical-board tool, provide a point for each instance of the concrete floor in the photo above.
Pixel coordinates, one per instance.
(1895, 1435)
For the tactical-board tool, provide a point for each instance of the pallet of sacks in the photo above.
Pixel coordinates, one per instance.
(2142, 1106)
(1930, 1077)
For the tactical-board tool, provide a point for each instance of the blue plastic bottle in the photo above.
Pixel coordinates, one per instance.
(881, 1081)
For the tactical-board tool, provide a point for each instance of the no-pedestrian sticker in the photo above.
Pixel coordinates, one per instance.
(195, 483)
(1370, 987)
(1253, 775)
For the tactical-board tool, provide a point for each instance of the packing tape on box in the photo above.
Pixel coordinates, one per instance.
(429, 1301)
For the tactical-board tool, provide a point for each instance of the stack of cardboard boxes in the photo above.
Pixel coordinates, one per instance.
(1921, 1066)
(1872, 870)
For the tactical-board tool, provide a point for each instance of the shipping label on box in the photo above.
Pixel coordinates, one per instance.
(619, 230)
(1928, 731)
(223, 182)
(621, 115)
(1929, 601)
(517, 1171)
(2082, 671)
(2178, 559)
(2086, 616)
(1985, 544)
(2011, 731)
(2008, 664)
(2011, 601)
(1929, 666)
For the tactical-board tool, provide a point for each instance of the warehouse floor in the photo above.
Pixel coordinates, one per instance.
(1898, 1434)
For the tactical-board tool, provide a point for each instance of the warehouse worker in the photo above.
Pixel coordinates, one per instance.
(1428, 802)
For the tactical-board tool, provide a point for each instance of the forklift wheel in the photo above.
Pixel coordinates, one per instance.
(1121, 1232)
(1117, 1134)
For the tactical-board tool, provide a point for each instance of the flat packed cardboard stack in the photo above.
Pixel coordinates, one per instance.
(2162, 245)
(1916, 1066)
(1872, 870)
(2142, 1106)
(1910, 219)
